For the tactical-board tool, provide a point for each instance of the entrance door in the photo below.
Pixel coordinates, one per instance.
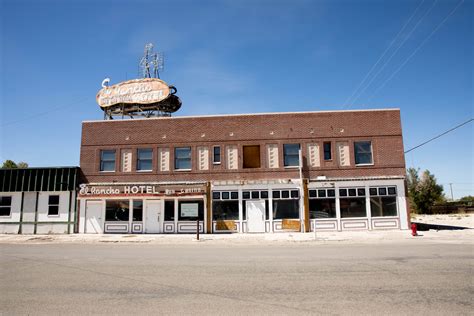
(94, 221)
(154, 217)
(256, 216)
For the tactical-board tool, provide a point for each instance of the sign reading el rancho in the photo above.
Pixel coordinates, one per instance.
(137, 91)
(121, 190)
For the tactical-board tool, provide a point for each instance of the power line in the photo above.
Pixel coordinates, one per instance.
(383, 54)
(415, 51)
(393, 54)
(45, 112)
(438, 136)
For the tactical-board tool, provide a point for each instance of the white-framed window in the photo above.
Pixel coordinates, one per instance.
(137, 214)
(225, 205)
(117, 210)
(352, 202)
(322, 203)
(286, 204)
(107, 160)
(53, 205)
(363, 153)
(182, 158)
(383, 201)
(5, 205)
(216, 155)
(291, 155)
(144, 159)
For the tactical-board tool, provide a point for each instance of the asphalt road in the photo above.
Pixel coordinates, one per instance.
(206, 279)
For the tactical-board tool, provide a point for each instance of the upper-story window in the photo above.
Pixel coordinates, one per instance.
(291, 155)
(363, 152)
(182, 158)
(216, 156)
(251, 155)
(5, 205)
(327, 151)
(107, 160)
(145, 159)
(53, 205)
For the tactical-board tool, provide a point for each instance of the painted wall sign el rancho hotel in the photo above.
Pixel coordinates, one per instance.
(137, 91)
(142, 190)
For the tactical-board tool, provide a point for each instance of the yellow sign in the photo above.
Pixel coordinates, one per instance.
(137, 91)
(290, 224)
(226, 225)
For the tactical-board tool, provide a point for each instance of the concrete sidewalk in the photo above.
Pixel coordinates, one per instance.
(458, 236)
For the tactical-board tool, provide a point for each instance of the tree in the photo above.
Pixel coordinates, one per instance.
(468, 198)
(423, 191)
(9, 164)
(22, 164)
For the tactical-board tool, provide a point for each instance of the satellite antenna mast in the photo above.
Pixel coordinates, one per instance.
(150, 59)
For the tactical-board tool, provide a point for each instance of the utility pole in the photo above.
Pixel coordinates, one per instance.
(452, 196)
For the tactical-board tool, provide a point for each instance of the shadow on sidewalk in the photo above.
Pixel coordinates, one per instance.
(426, 227)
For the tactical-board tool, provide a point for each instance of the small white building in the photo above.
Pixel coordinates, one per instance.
(38, 200)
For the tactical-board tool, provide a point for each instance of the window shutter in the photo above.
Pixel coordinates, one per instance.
(164, 156)
(343, 154)
(126, 160)
(272, 155)
(232, 157)
(203, 158)
(314, 156)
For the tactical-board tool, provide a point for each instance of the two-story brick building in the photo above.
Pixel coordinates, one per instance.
(328, 170)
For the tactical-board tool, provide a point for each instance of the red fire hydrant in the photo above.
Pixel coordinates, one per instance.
(413, 230)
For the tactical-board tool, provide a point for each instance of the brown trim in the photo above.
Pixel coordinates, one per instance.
(209, 208)
(306, 206)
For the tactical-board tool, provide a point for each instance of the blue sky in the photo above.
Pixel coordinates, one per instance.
(240, 57)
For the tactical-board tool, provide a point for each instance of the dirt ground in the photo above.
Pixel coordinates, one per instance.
(459, 220)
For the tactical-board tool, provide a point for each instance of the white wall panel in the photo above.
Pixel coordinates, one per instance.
(43, 207)
(272, 156)
(314, 159)
(343, 154)
(126, 160)
(232, 157)
(203, 158)
(164, 159)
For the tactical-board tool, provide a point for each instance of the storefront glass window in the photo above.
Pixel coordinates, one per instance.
(137, 211)
(285, 209)
(383, 206)
(225, 210)
(117, 210)
(191, 210)
(169, 210)
(322, 208)
(353, 207)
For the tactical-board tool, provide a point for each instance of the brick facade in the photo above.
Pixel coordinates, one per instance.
(381, 127)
